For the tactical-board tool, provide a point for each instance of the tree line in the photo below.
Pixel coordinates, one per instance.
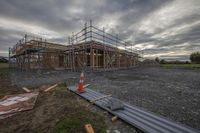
(194, 58)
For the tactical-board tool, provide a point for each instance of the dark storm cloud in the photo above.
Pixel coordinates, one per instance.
(46, 13)
(157, 26)
(191, 37)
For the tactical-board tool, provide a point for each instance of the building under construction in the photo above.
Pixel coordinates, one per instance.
(91, 49)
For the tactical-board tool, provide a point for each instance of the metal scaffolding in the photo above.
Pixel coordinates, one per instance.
(91, 49)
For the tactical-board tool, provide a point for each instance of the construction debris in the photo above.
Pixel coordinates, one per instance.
(89, 129)
(114, 118)
(12, 104)
(115, 104)
(137, 117)
(50, 88)
(99, 98)
(26, 89)
(85, 86)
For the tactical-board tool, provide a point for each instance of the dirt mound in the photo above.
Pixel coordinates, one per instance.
(149, 62)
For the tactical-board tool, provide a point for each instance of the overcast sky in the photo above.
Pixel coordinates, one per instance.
(167, 29)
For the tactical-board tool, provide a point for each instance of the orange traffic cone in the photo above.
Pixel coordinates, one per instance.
(80, 87)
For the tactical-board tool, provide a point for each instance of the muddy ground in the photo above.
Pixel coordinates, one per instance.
(56, 111)
(173, 93)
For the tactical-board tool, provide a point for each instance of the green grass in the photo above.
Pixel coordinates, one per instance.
(3, 69)
(180, 65)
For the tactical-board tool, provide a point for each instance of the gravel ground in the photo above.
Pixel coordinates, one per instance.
(173, 93)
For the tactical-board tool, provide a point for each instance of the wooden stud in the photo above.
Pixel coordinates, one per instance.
(89, 129)
(50, 88)
(114, 118)
(26, 89)
(106, 56)
(100, 98)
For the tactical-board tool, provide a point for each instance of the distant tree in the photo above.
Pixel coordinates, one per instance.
(195, 57)
(3, 60)
(187, 62)
(157, 59)
(162, 61)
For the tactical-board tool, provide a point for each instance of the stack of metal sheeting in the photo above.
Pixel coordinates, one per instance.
(137, 117)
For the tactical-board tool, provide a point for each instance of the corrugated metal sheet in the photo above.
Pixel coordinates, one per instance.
(137, 117)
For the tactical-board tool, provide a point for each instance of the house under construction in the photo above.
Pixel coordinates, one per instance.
(91, 49)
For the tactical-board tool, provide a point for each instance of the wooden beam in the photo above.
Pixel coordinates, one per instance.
(26, 89)
(48, 89)
(86, 85)
(99, 98)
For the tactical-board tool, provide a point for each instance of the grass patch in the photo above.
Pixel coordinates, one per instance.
(3, 69)
(75, 123)
(180, 65)
(63, 84)
(3, 65)
(77, 115)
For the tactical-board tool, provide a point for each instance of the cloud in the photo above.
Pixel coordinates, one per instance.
(166, 28)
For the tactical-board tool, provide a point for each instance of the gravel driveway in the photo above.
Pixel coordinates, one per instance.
(173, 93)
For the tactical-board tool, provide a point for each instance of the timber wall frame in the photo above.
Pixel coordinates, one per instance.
(91, 49)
